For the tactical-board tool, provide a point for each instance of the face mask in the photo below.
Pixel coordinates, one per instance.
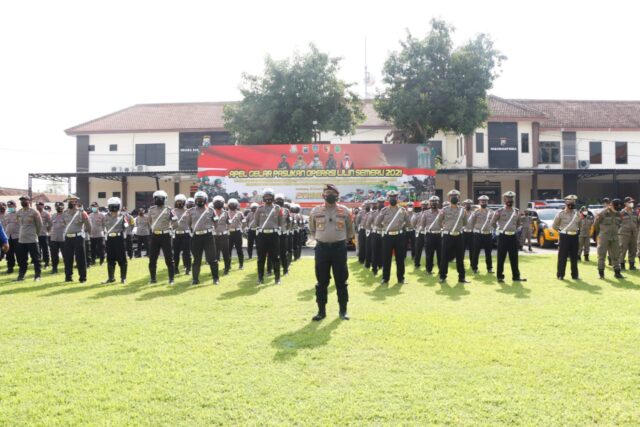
(509, 203)
(114, 208)
(454, 200)
(179, 205)
(380, 205)
(71, 205)
(24, 204)
(417, 210)
(483, 205)
(11, 210)
(331, 198)
(158, 201)
(199, 203)
(571, 205)
(232, 207)
(393, 202)
(367, 209)
(630, 205)
(468, 208)
(253, 209)
(59, 209)
(218, 205)
(280, 202)
(94, 209)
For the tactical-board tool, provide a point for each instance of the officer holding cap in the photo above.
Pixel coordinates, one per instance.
(506, 221)
(480, 224)
(567, 223)
(162, 220)
(114, 226)
(331, 226)
(392, 222)
(76, 225)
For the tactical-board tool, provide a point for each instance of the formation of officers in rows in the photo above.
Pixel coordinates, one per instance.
(446, 234)
(188, 231)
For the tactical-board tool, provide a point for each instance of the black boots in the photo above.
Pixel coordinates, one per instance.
(601, 273)
(111, 269)
(322, 313)
(343, 311)
(617, 274)
(586, 257)
(622, 266)
(632, 266)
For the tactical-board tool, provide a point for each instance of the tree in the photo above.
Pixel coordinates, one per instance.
(431, 87)
(292, 101)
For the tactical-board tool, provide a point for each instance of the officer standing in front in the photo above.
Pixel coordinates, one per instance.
(57, 236)
(268, 223)
(77, 226)
(452, 220)
(182, 235)
(567, 223)
(392, 221)
(628, 233)
(410, 235)
(201, 220)
(506, 221)
(416, 220)
(30, 227)
(606, 228)
(284, 233)
(480, 224)
(331, 226)
(114, 226)
(162, 220)
(43, 238)
(467, 232)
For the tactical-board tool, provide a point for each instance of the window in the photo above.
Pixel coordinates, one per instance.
(92, 148)
(150, 154)
(621, 153)
(550, 152)
(524, 142)
(102, 195)
(116, 194)
(595, 152)
(113, 147)
(479, 142)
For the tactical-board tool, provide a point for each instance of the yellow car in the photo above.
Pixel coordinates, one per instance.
(542, 226)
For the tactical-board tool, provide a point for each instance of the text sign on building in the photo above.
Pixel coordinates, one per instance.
(503, 145)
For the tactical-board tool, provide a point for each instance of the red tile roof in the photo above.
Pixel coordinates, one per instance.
(507, 108)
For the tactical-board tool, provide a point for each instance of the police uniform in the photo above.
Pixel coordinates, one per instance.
(526, 236)
(44, 238)
(201, 220)
(331, 226)
(30, 226)
(409, 234)
(362, 232)
(284, 235)
(12, 230)
(77, 226)
(480, 224)
(236, 219)
(128, 235)
(467, 231)
(392, 221)
(268, 223)
(584, 239)
(97, 237)
(115, 225)
(432, 232)
(452, 220)
(377, 259)
(298, 226)
(181, 239)
(606, 224)
(143, 231)
(57, 239)
(416, 219)
(628, 235)
(567, 223)
(506, 221)
(221, 236)
(370, 231)
(250, 221)
(162, 220)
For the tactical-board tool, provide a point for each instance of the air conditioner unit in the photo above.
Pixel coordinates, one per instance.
(141, 168)
(127, 169)
(114, 168)
(584, 164)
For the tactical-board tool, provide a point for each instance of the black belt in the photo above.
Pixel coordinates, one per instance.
(330, 244)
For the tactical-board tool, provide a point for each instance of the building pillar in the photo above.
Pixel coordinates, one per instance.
(517, 191)
(535, 143)
(456, 184)
(30, 188)
(176, 187)
(124, 187)
(534, 186)
(157, 183)
(468, 149)
(470, 185)
(570, 184)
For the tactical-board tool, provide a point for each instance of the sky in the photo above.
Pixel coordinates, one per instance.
(66, 62)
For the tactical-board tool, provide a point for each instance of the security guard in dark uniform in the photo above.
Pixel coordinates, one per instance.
(567, 223)
(331, 226)
(115, 225)
(392, 221)
(506, 221)
(452, 220)
(480, 224)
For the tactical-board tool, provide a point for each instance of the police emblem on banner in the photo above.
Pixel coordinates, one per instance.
(315, 148)
(293, 149)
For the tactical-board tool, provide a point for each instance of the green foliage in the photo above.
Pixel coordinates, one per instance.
(280, 106)
(544, 353)
(432, 86)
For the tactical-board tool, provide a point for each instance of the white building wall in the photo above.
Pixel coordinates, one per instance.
(608, 140)
(103, 160)
(551, 135)
(525, 160)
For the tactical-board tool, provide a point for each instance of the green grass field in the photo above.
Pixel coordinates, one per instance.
(547, 353)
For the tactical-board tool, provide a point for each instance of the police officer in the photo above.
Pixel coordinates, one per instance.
(236, 221)
(369, 223)
(114, 226)
(586, 221)
(298, 222)
(202, 221)
(392, 222)
(143, 231)
(480, 224)
(128, 235)
(419, 232)
(628, 233)
(162, 220)
(43, 238)
(30, 227)
(250, 220)
(452, 220)
(606, 227)
(331, 226)
(432, 233)
(97, 234)
(377, 253)
(506, 221)
(221, 232)
(289, 227)
(268, 223)
(468, 231)
(410, 235)
(57, 236)
(526, 236)
(567, 223)
(362, 232)
(77, 226)
(284, 232)
(12, 230)
(181, 235)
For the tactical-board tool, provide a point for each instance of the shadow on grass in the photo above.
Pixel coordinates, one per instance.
(75, 288)
(425, 279)
(33, 287)
(516, 289)
(167, 291)
(311, 336)
(453, 293)
(247, 287)
(382, 292)
(581, 285)
(130, 288)
(309, 294)
(623, 284)
(485, 279)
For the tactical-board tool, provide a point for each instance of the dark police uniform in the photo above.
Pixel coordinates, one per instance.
(12, 230)
(97, 237)
(369, 222)
(221, 236)
(236, 220)
(57, 240)
(432, 237)
(250, 220)
(362, 233)
(452, 220)
(30, 227)
(480, 224)
(44, 238)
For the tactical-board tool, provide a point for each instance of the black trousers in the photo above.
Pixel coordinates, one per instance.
(251, 240)
(290, 246)
(284, 261)
(432, 245)
(568, 249)
(157, 242)
(268, 248)
(482, 242)
(362, 245)
(24, 251)
(129, 244)
(368, 256)
(331, 258)
(11, 255)
(87, 251)
(452, 247)
(468, 242)
(297, 244)
(391, 244)
(376, 252)
(74, 247)
(182, 246)
(419, 248)
(204, 243)
(222, 246)
(97, 249)
(116, 254)
(142, 241)
(235, 242)
(43, 243)
(508, 244)
(56, 250)
(410, 242)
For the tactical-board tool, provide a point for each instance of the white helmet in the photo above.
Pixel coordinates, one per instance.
(191, 200)
(160, 193)
(218, 199)
(114, 201)
(201, 195)
(180, 198)
(232, 201)
(267, 191)
(279, 196)
(254, 205)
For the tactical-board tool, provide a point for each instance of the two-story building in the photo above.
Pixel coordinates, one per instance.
(538, 148)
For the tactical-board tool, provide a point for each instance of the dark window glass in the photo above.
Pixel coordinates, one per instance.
(550, 152)
(595, 152)
(102, 195)
(113, 147)
(92, 148)
(524, 142)
(150, 154)
(621, 153)
(116, 194)
(479, 142)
